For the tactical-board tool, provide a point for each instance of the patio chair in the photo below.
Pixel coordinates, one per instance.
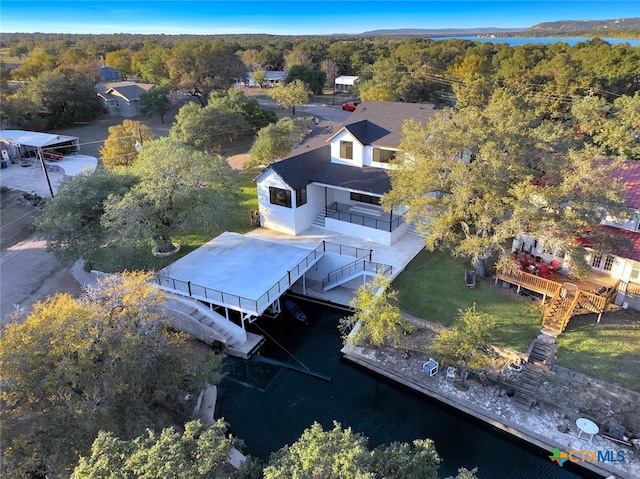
(430, 367)
(451, 372)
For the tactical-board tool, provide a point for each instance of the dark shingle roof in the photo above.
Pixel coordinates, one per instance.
(379, 123)
(315, 166)
(376, 123)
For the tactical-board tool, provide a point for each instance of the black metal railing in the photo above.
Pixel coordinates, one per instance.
(340, 212)
(356, 267)
(237, 302)
(337, 248)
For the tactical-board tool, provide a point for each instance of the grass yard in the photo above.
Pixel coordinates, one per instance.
(111, 259)
(609, 350)
(432, 287)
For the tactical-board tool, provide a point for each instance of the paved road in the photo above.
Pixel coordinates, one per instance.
(333, 114)
(28, 273)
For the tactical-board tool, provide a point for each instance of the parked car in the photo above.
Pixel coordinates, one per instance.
(349, 106)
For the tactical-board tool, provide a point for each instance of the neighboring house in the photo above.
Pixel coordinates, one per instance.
(624, 261)
(271, 79)
(344, 83)
(339, 185)
(122, 98)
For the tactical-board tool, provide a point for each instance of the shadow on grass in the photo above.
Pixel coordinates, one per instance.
(432, 287)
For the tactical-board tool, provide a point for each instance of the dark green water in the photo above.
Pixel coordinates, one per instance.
(269, 407)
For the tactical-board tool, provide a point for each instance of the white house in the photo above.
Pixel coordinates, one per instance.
(623, 263)
(339, 185)
(271, 78)
(344, 83)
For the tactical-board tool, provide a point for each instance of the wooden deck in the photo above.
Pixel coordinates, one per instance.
(568, 296)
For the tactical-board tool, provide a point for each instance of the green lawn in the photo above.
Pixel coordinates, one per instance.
(432, 287)
(609, 350)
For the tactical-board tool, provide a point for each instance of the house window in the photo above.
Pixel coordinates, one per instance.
(114, 103)
(346, 150)
(383, 156)
(372, 200)
(301, 196)
(635, 273)
(280, 197)
(605, 263)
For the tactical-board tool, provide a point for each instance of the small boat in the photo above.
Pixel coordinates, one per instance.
(295, 310)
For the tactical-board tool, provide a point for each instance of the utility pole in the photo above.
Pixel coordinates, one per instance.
(44, 169)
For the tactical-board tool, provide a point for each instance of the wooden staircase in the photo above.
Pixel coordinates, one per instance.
(559, 311)
(529, 379)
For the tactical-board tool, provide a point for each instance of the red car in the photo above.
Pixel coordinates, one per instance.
(349, 106)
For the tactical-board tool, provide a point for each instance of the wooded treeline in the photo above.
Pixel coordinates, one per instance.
(389, 68)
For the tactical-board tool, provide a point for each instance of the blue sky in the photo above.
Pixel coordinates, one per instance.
(293, 17)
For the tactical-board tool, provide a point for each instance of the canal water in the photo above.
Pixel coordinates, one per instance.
(269, 406)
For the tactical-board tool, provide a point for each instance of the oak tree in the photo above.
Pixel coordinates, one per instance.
(73, 367)
(290, 95)
(178, 186)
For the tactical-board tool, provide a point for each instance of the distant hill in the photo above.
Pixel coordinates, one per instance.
(560, 28)
(442, 32)
(582, 26)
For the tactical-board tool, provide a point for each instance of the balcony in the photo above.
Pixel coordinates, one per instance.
(365, 215)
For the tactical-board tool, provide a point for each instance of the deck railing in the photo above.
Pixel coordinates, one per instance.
(335, 212)
(354, 267)
(530, 282)
(633, 288)
(237, 302)
(337, 248)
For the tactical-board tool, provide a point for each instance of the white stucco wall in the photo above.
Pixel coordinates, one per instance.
(358, 149)
(274, 217)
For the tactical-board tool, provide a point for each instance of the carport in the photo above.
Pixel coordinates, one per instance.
(18, 145)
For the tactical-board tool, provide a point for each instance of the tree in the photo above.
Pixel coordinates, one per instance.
(312, 78)
(178, 187)
(259, 77)
(64, 97)
(401, 460)
(196, 453)
(123, 144)
(380, 320)
(203, 66)
(276, 140)
(476, 178)
(70, 223)
(235, 100)
(320, 454)
(369, 92)
(341, 453)
(120, 60)
(155, 101)
(208, 128)
(110, 363)
(467, 344)
(290, 95)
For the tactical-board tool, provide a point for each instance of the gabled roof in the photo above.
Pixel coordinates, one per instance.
(314, 166)
(630, 176)
(128, 90)
(379, 123)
